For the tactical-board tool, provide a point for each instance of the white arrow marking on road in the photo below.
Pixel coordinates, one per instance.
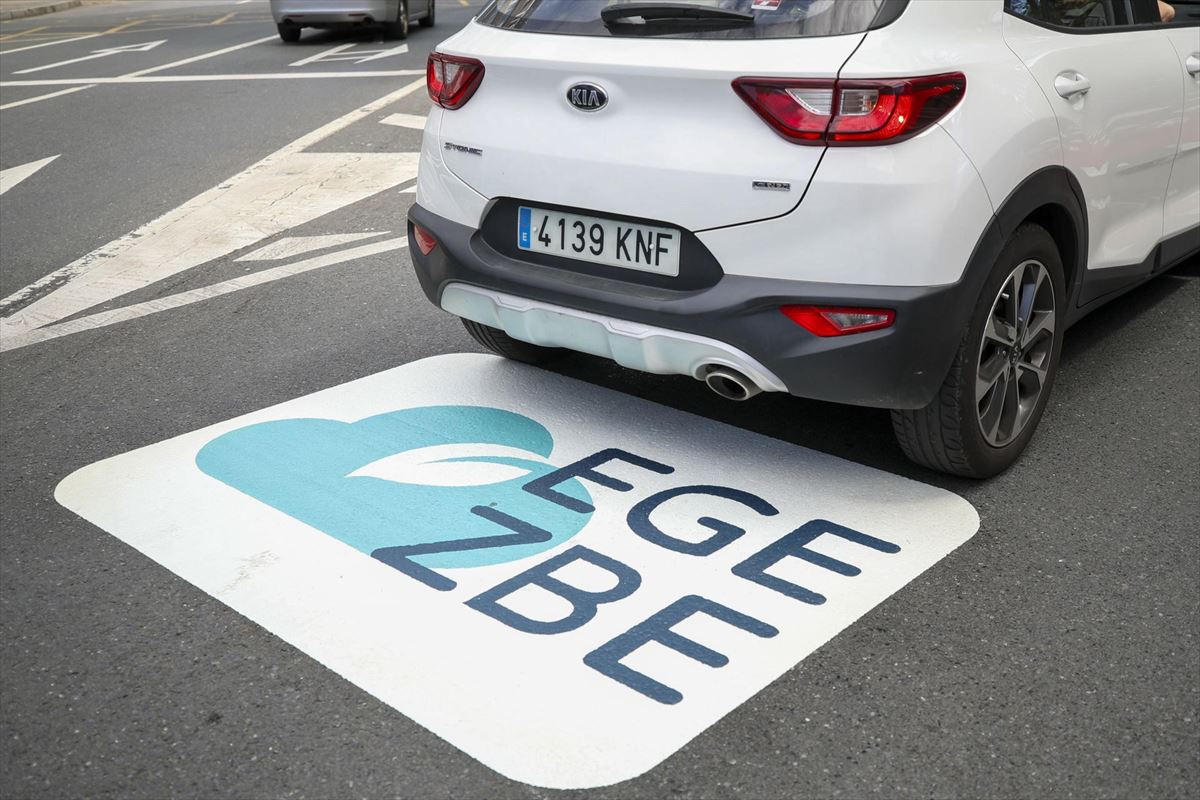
(108, 51)
(13, 175)
(286, 189)
(395, 51)
(359, 57)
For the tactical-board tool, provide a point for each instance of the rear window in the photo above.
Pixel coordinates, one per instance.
(748, 19)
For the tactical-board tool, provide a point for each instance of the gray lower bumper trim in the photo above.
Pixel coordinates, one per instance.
(630, 344)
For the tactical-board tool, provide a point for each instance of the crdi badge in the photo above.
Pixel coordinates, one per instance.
(566, 582)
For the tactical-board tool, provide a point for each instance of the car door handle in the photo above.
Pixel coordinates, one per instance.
(1070, 84)
(1193, 64)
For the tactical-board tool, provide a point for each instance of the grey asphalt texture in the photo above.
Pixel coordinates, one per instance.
(1056, 654)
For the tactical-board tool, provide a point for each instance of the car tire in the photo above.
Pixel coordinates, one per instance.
(399, 29)
(502, 344)
(289, 33)
(427, 21)
(993, 397)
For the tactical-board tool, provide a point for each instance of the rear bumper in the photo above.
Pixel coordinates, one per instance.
(314, 14)
(900, 367)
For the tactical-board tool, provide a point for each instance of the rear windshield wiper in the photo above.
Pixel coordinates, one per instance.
(657, 12)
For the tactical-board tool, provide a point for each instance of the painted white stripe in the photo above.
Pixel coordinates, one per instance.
(322, 54)
(201, 57)
(415, 121)
(13, 175)
(137, 310)
(265, 76)
(102, 53)
(285, 189)
(373, 56)
(47, 44)
(42, 97)
(293, 246)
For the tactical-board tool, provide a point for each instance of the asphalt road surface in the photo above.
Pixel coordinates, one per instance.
(1054, 654)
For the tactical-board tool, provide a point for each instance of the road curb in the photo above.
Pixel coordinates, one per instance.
(35, 11)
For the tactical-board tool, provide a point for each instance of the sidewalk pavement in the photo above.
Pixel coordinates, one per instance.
(16, 9)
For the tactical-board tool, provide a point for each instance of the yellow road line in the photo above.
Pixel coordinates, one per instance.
(463, 3)
(22, 33)
(225, 18)
(129, 24)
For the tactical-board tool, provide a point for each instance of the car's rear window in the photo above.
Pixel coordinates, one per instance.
(772, 19)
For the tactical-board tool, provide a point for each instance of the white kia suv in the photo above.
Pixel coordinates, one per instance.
(890, 203)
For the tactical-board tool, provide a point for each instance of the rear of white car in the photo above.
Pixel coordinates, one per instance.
(744, 192)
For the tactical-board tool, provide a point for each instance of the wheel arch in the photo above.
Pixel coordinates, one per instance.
(1053, 199)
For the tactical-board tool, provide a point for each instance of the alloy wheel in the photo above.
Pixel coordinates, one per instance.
(1015, 354)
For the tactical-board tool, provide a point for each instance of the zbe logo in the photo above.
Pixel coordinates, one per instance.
(435, 489)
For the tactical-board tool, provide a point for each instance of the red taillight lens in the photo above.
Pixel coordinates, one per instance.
(839, 320)
(425, 240)
(797, 110)
(452, 79)
(852, 112)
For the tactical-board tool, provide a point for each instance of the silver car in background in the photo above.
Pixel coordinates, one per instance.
(292, 16)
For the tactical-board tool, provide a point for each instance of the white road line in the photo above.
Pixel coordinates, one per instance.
(268, 76)
(414, 121)
(137, 310)
(13, 175)
(375, 55)
(285, 189)
(107, 51)
(201, 57)
(322, 54)
(47, 44)
(42, 97)
(293, 246)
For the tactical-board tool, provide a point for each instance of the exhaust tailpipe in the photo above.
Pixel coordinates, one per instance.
(731, 384)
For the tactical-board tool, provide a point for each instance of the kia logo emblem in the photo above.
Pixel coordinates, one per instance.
(587, 97)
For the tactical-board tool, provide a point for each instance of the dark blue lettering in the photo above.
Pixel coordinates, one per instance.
(543, 487)
(606, 659)
(399, 557)
(794, 544)
(723, 532)
(584, 604)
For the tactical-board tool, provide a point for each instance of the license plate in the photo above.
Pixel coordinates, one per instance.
(600, 241)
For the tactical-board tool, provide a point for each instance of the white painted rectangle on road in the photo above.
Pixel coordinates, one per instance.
(566, 582)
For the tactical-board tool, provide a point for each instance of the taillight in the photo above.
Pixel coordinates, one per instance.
(852, 112)
(839, 320)
(452, 79)
(426, 241)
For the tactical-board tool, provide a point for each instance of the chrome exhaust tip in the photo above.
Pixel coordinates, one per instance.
(731, 384)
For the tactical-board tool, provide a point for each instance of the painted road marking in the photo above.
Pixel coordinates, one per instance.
(42, 97)
(292, 246)
(565, 582)
(124, 26)
(47, 44)
(19, 34)
(13, 175)
(137, 310)
(201, 57)
(319, 56)
(224, 19)
(285, 189)
(414, 121)
(358, 56)
(107, 51)
(266, 76)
